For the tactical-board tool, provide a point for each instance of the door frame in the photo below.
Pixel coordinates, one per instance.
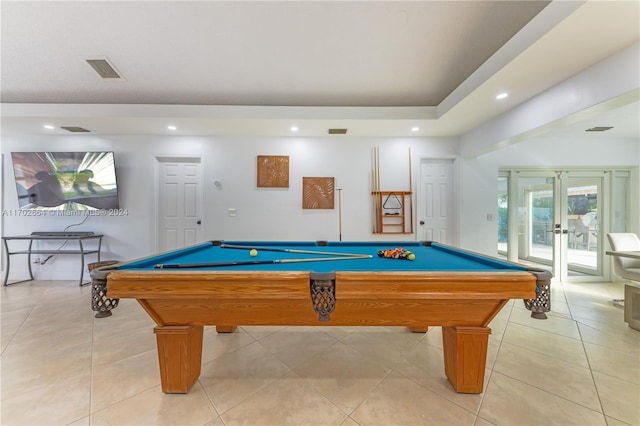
(560, 241)
(163, 158)
(603, 207)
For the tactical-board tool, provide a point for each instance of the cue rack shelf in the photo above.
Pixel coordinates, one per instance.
(392, 210)
(393, 213)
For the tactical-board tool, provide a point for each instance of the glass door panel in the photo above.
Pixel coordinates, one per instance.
(536, 219)
(583, 225)
(503, 218)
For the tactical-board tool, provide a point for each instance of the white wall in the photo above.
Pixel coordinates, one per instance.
(516, 139)
(262, 213)
(608, 84)
(276, 214)
(479, 177)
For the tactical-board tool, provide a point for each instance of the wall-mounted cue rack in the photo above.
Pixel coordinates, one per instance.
(392, 210)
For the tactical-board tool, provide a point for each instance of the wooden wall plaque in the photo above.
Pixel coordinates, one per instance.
(318, 192)
(273, 171)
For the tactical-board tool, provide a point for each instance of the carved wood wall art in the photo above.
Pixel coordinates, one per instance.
(273, 171)
(318, 192)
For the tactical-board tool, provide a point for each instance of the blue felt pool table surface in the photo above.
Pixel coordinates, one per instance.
(429, 256)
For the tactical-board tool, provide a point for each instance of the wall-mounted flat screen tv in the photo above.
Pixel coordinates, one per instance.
(65, 180)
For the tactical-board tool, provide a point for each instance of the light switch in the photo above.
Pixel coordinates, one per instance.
(232, 212)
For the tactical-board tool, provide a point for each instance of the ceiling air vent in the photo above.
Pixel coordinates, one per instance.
(337, 131)
(103, 68)
(75, 129)
(599, 129)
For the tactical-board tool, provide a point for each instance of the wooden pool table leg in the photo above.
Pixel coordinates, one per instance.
(226, 328)
(179, 355)
(465, 357)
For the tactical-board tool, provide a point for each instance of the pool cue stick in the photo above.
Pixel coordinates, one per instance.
(410, 195)
(250, 262)
(410, 181)
(379, 224)
(340, 213)
(373, 200)
(374, 191)
(378, 166)
(234, 246)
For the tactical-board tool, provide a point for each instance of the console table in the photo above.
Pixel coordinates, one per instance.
(79, 237)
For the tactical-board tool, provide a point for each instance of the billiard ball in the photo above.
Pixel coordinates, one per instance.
(253, 252)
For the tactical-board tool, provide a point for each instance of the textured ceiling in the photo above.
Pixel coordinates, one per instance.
(252, 53)
(391, 64)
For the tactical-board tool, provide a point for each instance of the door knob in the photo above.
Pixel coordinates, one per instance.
(199, 222)
(422, 222)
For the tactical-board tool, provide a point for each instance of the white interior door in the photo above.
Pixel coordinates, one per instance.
(435, 203)
(179, 202)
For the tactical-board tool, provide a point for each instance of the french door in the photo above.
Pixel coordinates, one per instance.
(556, 221)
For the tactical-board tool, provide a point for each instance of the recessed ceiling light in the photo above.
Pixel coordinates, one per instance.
(49, 126)
(502, 95)
(171, 127)
(415, 129)
(294, 129)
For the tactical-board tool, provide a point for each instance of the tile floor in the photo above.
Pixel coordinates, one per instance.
(62, 366)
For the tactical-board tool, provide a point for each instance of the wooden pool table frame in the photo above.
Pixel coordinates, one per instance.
(182, 302)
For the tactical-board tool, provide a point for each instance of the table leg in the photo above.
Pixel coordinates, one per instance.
(465, 357)
(29, 259)
(81, 262)
(6, 252)
(8, 257)
(226, 328)
(179, 355)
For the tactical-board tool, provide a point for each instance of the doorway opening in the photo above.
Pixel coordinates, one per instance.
(557, 220)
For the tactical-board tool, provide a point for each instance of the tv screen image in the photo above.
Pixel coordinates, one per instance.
(65, 180)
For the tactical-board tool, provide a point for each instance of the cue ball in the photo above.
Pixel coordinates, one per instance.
(253, 252)
(411, 256)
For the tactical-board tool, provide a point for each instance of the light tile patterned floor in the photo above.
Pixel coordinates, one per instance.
(62, 366)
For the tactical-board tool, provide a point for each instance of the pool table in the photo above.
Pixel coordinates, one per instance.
(324, 284)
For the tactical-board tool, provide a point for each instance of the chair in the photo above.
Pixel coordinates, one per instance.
(629, 269)
(625, 267)
(591, 221)
(581, 231)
